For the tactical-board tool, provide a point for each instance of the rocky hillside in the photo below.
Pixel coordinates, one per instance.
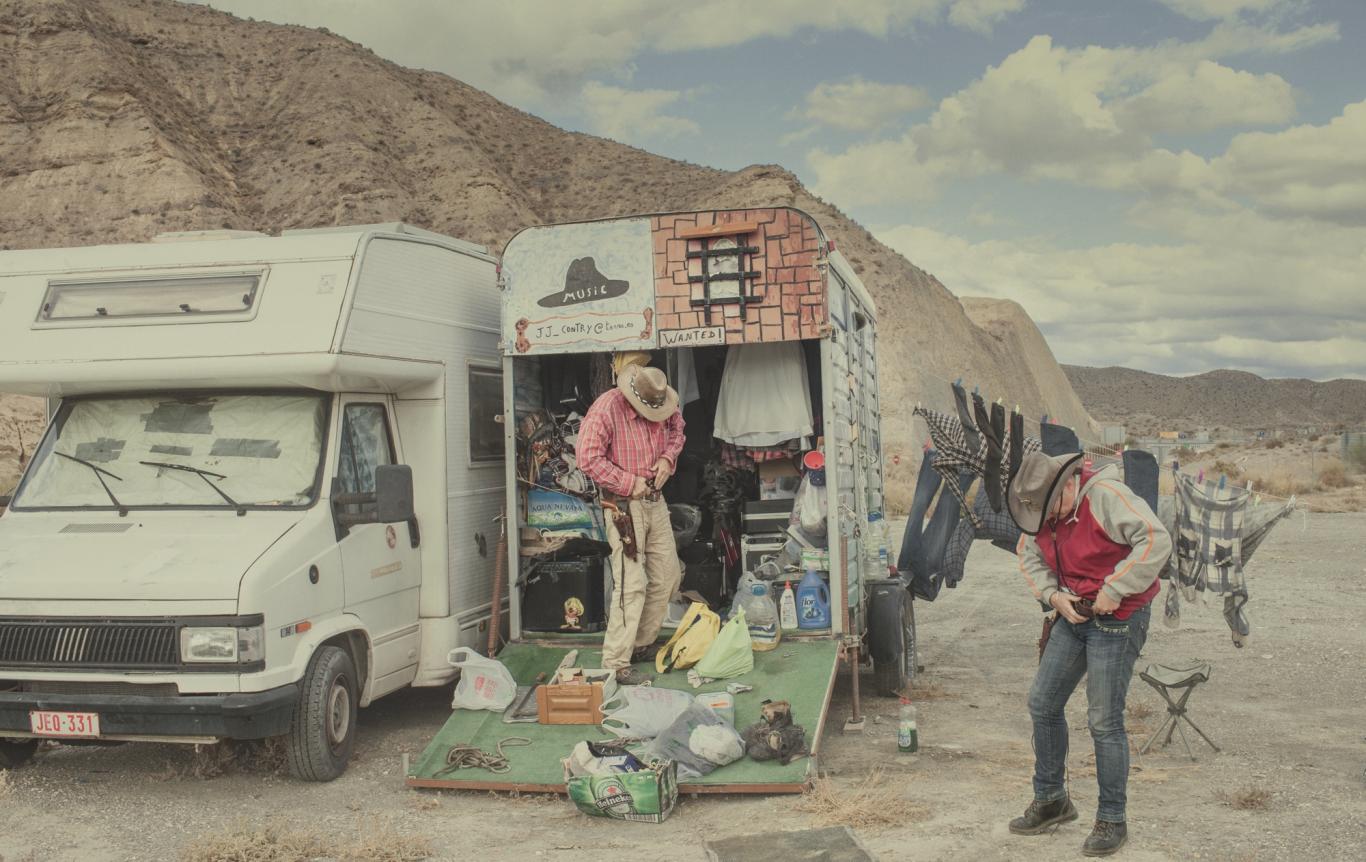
(120, 119)
(1232, 400)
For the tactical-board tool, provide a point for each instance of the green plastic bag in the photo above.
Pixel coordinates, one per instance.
(647, 796)
(731, 653)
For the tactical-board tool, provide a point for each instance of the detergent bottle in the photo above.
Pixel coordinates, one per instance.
(787, 608)
(813, 602)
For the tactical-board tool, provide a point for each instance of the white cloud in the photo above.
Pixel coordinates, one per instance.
(1313, 170)
(1087, 115)
(628, 115)
(1234, 289)
(981, 15)
(1209, 10)
(534, 53)
(861, 106)
(1209, 96)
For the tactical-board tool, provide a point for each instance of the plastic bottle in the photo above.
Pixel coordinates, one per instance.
(907, 734)
(813, 602)
(761, 614)
(787, 608)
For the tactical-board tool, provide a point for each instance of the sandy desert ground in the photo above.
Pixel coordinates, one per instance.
(1287, 711)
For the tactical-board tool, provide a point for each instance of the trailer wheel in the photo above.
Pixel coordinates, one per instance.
(322, 734)
(891, 634)
(14, 753)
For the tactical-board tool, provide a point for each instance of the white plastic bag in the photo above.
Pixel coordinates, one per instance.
(484, 682)
(643, 711)
(717, 743)
(809, 509)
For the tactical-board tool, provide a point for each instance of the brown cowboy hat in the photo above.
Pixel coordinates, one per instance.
(1036, 486)
(648, 391)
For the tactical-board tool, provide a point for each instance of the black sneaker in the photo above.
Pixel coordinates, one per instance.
(1105, 838)
(1041, 815)
(643, 654)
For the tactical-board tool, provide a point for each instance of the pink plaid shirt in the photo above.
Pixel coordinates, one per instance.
(617, 444)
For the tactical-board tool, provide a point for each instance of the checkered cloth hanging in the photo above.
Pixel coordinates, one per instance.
(955, 454)
(1216, 531)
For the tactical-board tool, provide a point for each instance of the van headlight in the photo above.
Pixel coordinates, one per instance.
(222, 644)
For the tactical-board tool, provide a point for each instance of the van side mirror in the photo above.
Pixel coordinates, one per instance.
(390, 503)
(394, 493)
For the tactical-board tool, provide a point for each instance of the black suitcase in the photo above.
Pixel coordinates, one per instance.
(565, 596)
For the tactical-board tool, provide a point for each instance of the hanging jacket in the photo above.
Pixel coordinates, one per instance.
(1112, 541)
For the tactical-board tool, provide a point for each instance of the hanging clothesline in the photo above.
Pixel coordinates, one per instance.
(1100, 450)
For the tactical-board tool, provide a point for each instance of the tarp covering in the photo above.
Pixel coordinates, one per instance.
(266, 448)
(799, 671)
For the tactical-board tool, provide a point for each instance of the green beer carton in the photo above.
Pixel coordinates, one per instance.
(647, 796)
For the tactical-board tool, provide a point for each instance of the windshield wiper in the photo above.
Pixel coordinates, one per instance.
(123, 510)
(203, 474)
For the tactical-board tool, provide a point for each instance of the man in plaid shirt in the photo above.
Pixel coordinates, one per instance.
(629, 444)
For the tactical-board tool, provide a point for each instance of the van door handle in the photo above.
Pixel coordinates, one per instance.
(414, 534)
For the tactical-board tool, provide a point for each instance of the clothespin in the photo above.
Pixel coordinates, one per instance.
(1222, 480)
(1201, 477)
(1001, 401)
(976, 390)
(1249, 485)
(958, 382)
(1044, 420)
(1176, 466)
(1256, 499)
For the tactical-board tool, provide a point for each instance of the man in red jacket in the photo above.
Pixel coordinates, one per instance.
(1092, 551)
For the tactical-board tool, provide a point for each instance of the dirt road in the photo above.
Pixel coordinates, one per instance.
(1288, 711)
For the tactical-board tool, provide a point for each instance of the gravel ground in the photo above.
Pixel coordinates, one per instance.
(1287, 711)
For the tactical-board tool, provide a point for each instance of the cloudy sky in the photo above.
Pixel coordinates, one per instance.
(1172, 185)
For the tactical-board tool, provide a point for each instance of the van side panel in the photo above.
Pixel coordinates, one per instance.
(421, 300)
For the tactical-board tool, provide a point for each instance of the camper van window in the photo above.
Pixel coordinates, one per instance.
(149, 297)
(365, 445)
(486, 403)
(180, 451)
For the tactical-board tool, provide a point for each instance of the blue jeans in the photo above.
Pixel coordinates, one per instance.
(1104, 650)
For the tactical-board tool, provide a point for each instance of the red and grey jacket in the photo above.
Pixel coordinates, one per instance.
(1111, 541)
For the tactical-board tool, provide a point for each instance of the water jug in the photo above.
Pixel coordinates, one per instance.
(813, 602)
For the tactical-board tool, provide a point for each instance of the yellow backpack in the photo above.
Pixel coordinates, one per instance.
(691, 639)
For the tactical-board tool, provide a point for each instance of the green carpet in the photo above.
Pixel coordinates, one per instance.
(798, 671)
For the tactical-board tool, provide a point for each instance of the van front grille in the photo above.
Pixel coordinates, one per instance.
(88, 644)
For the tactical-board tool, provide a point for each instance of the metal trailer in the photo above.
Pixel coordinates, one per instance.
(677, 280)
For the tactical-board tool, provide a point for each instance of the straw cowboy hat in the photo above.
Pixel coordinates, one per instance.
(1037, 486)
(649, 392)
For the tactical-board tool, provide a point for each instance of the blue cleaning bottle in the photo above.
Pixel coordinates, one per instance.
(813, 602)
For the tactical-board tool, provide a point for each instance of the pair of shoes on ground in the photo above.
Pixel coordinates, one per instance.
(1105, 837)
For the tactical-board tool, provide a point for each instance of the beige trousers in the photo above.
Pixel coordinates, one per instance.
(641, 588)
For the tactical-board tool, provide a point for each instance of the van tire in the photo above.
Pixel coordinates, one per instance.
(322, 734)
(14, 753)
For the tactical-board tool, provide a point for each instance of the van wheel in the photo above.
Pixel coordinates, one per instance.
(14, 753)
(323, 733)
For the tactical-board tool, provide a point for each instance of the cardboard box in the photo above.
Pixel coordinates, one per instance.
(778, 480)
(575, 696)
(647, 796)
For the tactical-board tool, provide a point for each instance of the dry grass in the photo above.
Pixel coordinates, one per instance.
(229, 756)
(1334, 475)
(1139, 710)
(278, 842)
(6, 789)
(1282, 483)
(1254, 797)
(870, 803)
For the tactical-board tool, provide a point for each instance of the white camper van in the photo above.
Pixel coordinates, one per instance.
(268, 491)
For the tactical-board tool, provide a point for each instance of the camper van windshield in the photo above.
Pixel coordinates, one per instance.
(214, 451)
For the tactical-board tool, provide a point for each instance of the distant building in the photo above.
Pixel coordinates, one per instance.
(1113, 435)
(1169, 435)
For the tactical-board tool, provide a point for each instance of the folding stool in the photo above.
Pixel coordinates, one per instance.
(1165, 680)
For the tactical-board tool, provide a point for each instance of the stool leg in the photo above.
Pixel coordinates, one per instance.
(1184, 741)
(1161, 727)
(1199, 731)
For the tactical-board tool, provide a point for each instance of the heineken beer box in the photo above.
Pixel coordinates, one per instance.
(646, 796)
